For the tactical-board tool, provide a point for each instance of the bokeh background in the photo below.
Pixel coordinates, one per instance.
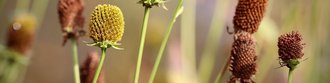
(198, 46)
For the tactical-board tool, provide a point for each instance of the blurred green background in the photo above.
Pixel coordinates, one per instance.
(51, 62)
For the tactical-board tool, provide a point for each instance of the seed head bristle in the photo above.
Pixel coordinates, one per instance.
(21, 33)
(290, 46)
(106, 24)
(249, 14)
(243, 57)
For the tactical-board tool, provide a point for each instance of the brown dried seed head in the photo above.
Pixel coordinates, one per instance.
(21, 33)
(89, 67)
(71, 19)
(290, 46)
(106, 23)
(243, 56)
(249, 14)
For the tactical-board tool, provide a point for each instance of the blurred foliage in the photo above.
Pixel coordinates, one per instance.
(12, 66)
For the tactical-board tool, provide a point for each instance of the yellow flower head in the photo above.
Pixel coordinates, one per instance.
(106, 24)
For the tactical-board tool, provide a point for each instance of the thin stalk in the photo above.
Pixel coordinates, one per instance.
(290, 75)
(75, 60)
(164, 42)
(99, 67)
(223, 70)
(143, 35)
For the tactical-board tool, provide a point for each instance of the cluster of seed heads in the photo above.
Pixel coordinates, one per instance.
(248, 16)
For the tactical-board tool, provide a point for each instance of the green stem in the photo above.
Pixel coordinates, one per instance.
(164, 42)
(75, 61)
(143, 35)
(99, 67)
(290, 75)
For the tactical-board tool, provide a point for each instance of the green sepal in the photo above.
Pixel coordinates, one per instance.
(292, 64)
(105, 44)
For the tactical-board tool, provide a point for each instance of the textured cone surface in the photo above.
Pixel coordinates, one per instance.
(290, 46)
(21, 33)
(106, 23)
(70, 15)
(249, 14)
(89, 67)
(243, 56)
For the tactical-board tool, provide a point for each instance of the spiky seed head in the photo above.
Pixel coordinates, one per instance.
(21, 33)
(106, 24)
(243, 57)
(290, 48)
(71, 19)
(89, 67)
(249, 14)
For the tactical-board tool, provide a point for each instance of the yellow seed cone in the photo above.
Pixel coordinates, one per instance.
(106, 24)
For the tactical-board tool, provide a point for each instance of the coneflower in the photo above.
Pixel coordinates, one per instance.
(88, 69)
(249, 14)
(243, 58)
(21, 33)
(290, 50)
(106, 28)
(71, 19)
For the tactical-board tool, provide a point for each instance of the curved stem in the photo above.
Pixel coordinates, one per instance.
(75, 61)
(99, 67)
(164, 42)
(143, 35)
(290, 75)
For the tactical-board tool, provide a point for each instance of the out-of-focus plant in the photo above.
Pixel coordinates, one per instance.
(72, 21)
(87, 70)
(15, 57)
